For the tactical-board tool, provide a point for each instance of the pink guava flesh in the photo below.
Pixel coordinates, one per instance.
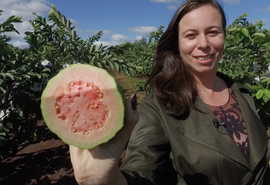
(83, 105)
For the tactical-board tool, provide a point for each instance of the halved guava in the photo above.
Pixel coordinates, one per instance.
(83, 105)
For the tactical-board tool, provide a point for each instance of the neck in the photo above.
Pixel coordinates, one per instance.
(212, 89)
(207, 83)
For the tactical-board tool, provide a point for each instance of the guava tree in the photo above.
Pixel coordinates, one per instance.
(247, 57)
(139, 53)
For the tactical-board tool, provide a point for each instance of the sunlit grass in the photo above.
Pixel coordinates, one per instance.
(129, 84)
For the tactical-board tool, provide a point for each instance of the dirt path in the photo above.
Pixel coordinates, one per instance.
(44, 161)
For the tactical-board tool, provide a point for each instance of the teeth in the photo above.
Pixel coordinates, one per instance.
(204, 58)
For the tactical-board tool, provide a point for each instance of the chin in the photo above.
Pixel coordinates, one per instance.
(209, 70)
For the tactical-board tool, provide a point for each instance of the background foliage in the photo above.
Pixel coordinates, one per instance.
(246, 59)
(25, 72)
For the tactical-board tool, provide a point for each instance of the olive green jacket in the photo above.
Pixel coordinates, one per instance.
(189, 150)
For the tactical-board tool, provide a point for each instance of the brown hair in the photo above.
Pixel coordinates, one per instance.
(171, 79)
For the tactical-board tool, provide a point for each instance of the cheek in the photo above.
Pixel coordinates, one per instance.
(186, 48)
(219, 45)
(219, 48)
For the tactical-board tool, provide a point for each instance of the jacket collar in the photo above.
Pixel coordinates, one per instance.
(203, 131)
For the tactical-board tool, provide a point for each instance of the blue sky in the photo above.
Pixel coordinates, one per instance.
(121, 20)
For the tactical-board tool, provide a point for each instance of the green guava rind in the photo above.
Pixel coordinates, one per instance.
(115, 99)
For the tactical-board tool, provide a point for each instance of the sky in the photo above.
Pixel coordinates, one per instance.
(121, 20)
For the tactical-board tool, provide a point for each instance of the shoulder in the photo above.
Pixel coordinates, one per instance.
(239, 89)
(233, 84)
(151, 105)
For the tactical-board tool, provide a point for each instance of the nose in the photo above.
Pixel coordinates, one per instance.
(202, 42)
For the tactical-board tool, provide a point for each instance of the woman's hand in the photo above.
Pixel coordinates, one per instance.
(99, 165)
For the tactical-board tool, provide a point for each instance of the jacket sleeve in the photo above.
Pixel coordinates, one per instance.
(148, 153)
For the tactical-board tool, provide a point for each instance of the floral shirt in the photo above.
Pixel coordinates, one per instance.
(230, 114)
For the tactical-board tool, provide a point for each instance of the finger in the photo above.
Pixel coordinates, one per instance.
(131, 118)
(74, 151)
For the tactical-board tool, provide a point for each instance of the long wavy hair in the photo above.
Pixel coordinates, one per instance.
(171, 78)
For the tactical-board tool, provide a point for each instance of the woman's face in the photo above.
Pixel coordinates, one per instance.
(201, 39)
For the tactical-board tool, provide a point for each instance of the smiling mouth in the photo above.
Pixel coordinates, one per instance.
(204, 58)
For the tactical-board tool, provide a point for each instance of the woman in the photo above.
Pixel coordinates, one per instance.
(196, 127)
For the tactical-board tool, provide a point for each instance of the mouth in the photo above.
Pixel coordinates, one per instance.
(203, 57)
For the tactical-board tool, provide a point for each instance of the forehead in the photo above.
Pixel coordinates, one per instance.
(206, 15)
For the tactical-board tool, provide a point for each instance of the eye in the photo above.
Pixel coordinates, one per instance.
(213, 33)
(190, 36)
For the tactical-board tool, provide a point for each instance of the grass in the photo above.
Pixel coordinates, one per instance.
(129, 84)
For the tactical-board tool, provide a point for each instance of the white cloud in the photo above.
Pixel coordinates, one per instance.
(172, 7)
(20, 44)
(139, 37)
(144, 30)
(107, 43)
(93, 32)
(163, 1)
(24, 8)
(74, 22)
(120, 38)
(115, 39)
(107, 32)
(231, 1)
(174, 4)
(268, 8)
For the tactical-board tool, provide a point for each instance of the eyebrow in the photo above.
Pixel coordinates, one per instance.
(209, 28)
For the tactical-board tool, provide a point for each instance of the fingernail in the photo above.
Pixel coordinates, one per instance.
(134, 101)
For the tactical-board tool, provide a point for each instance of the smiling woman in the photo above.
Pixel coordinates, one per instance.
(197, 126)
(201, 39)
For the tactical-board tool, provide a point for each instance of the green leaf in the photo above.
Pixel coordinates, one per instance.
(31, 73)
(256, 87)
(2, 89)
(268, 45)
(3, 75)
(259, 94)
(99, 65)
(38, 75)
(139, 68)
(245, 32)
(99, 47)
(93, 58)
(13, 61)
(266, 80)
(107, 57)
(73, 35)
(125, 71)
(46, 70)
(2, 134)
(111, 65)
(259, 35)
(10, 76)
(265, 99)
(116, 67)
(27, 76)
(92, 49)
(267, 93)
(233, 29)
